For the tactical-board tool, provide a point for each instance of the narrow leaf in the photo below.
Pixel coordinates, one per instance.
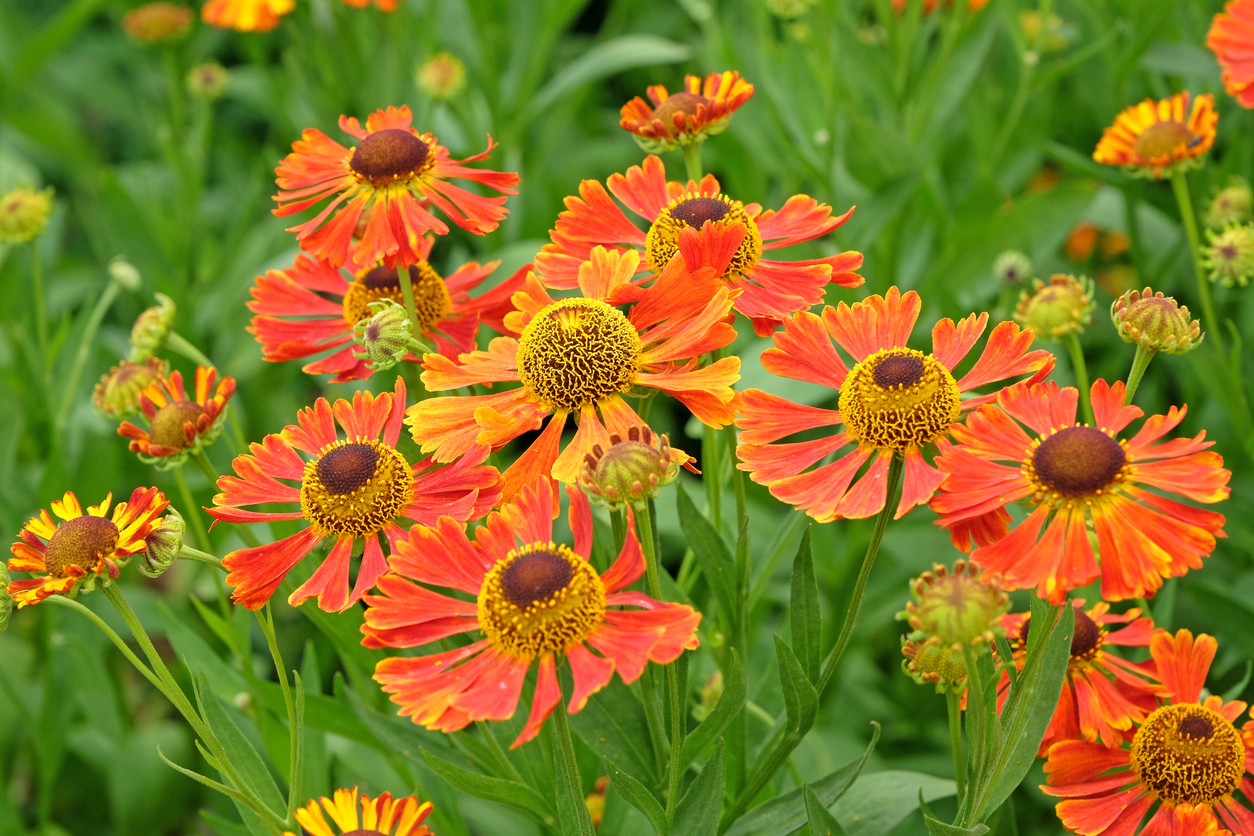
(805, 621)
(613, 726)
(822, 823)
(699, 809)
(801, 700)
(516, 795)
(242, 755)
(607, 58)
(710, 551)
(939, 828)
(735, 688)
(637, 795)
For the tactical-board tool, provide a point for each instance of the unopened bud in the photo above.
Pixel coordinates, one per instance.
(24, 214)
(1230, 256)
(151, 328)
(442, 76)
(1231, 205)
(117, 393)
(124, 273)
(162, 546)
(1062, 306)
(386, 336)
(1155, 321)
(631, 470)
(711, 693)
(1012, 267)
(208, 81)
(933, 663)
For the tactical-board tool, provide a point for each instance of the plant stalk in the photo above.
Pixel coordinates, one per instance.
(84, 350)
(1081, 374)
(1139, 364)
(1180, 185)
(955, 741)
(265, 618)
(692, 160)
(567, 771)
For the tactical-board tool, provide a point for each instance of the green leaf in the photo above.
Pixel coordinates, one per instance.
(699, 809)
(637, 795)
(822, 823)
(516, 795)
(613, 726)
(735, 689)
(710, 551)
(805, 621)
(785, 813)
(240, 752)
(939, 828)
(883, 800)
(801, 700)
(199, 657)
(606, 59)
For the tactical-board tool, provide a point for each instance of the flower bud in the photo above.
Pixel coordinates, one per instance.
(789, 9)
(124, 273)
(955, 607)
(934, 663)
(1232, 205)
(1155, 322)
(156, 22)
(1063, 306)
(117, 393)
(6, 600)
(208, 81)
(631, 470)
(162, 546)
(151, 328)
(1230, 256)
(711, 693)
(386, 336)
(442, 76)
(1012, 267)
(24, 214)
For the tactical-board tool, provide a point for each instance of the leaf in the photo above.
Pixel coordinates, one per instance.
(939, 828)
(605, 59)
(199, 657)
(884, 799)
(252, 769)
(710, 551)
(699, 809)
(805, 621)
(822, 823)
(512, 793)
(735, 688)
(613, 726)
(785, 813)
(801, 700)
(637, 795)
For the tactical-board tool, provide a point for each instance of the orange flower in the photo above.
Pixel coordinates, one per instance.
(705, 228)
(1186, 757)
(700, 110)
(178, 427)
(1073, 476)
(535, 602)
(388, 6)
(393, 175)
(894, 401)
(1081, 241)
(378, 816)
(311, 308)
(246, 15)
(930, 6)
(84, 546)
(1156, 139)
(155, 22)
(581, 355)
(1231, 38)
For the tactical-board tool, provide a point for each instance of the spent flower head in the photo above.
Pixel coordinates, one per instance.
(162, 546)
(151, 328)
(955, 607)
(208, 81)
(1012, 267)
(24, 214)
(442, 76)
(1063, 306)
(1229, 258)
(117, 393)
(630, 470)
(1155, 321)
(1233, 204)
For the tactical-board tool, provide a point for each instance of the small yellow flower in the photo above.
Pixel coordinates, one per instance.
(382, 816)
(24, 214)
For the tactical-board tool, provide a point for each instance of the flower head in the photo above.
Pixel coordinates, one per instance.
(1231, 33)
(702, 109)
(151, 328)
(156, 22)
(6, 600)
(311, 309)
(442, 76)
(117, 393)
(580, 356)
(932, 662)
(702, 227)
(1062, 307)
(955, 607)
(1233, 204)
(385, 337)
(1155, 321)
(537, 604)
(894, 401)
(388, 6)
(1158, 138)
(350, 490)
(631, 469)
(382, 816)
(1182, 767)
(1230, 255)
(390, 179)
(929, 6)
(178, 426)
(162, 546)
(24, 214)
(85, 546)
(1071, 477)
(208, 81)
(1012, 267)
(246, 15)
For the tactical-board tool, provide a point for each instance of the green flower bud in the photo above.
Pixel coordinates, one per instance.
(1155, 321)
(117, 393)
(386, 336)
(789, 9)
(151, 328)
(955, 607)
(632, 470)
(711, 693)
(442, 76)
(1063, 306)
(934, 663)
(208, 81)
(124, 273)
(24, 214)
(1232, 205)
(1012, 267)
(163, 546)
(1230, 256)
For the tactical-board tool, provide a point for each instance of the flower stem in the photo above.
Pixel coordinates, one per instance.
(265, 618)
(955, 741)
(117, 640)
(189, 553)
(180, 345)
(711, 467)
(1139, 364)
(737, 476)
(41, 312)
(211, 473)
(191, 509)
(407, 293)
(1081, 374)
(692, 160)
(1180, 185)
(84, 350)
(567, 771)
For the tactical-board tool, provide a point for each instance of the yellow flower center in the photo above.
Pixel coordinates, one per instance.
(1161, 138)
(1188, 754)
(431, 298)
(577, 352)
(167, 428)
(81, 542)
(685, 103)
(542, 598)
(389, 155)
(355, 488)
(694, 210)
(899, 397)
(1075, 462)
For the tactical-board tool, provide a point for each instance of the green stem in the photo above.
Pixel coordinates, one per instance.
(955, 741)
(1081, 374)
(644, 525)
(295, 742)
(84, 350)
(737, 475)
(712, 467)
(117, 640)
(1139, 364)
(191, 509)
(566, 769)
(179, 345)
(41, 312)
(692, 160)
(189, 553)
(206, 466)
(407, 293)
(1180, 185)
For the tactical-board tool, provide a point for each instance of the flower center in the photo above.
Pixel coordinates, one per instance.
(390, 154)
(695, 210)
(542, 598)
(1161, 138)
(685, 103)
(167, 428)
(1188, 754)
(899, 397)
(431, 298)
(355, 488)
(83, 542)
(1088, 639)
(577, 352)
(1077, 461)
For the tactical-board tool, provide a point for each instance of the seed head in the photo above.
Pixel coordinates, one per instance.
(151, 329)
(1063, 306)
(24, 214)
(1155, 321)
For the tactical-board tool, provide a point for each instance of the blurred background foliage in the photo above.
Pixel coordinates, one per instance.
(956, 135)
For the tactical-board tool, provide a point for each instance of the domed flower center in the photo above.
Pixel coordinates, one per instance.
(1088, 639)
(168, 426)
(390, 154)
(898, 397)
(1161, 138)
(432, 302)
(542, 598)
(694, 210)
(355, 488)
(1188, 754)
(685, 103)
(81, 542)
(1078, 461)
(577, 352)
